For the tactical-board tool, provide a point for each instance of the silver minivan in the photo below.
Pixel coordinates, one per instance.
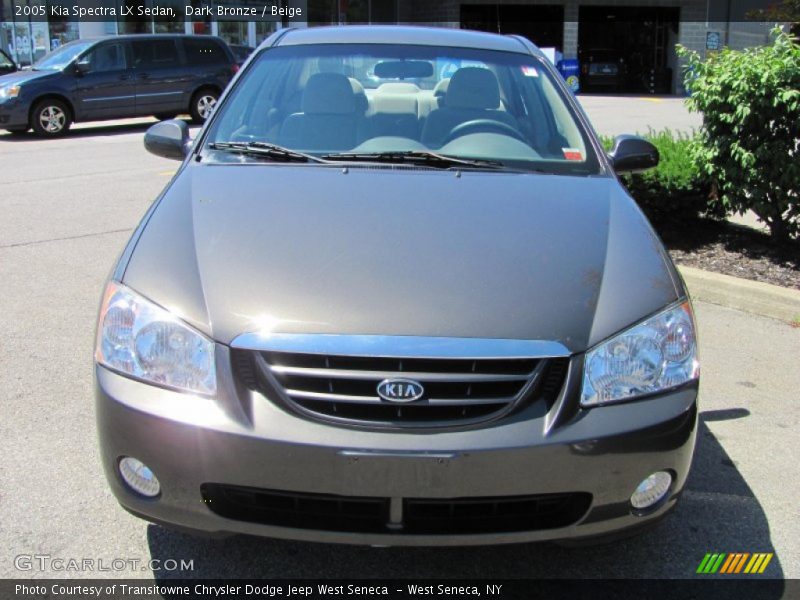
(395, 294)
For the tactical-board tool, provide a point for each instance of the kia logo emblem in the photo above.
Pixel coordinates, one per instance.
(400, 390)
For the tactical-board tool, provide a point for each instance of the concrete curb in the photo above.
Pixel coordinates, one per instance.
(749, 296)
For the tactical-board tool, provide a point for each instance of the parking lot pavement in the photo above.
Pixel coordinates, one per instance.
(68, 207)
(613, 115)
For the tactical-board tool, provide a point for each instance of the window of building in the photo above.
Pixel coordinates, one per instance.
(352, 11)
(233, 32)
(167, 24)
(130, 21)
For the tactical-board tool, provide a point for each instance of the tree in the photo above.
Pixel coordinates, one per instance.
(749, 143)
(787, 11)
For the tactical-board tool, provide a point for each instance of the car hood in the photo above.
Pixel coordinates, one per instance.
(235, 249)
(23, 76)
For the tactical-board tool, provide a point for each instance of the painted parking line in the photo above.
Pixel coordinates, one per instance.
(167, 173)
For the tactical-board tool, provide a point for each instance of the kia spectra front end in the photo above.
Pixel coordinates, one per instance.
(396, 295)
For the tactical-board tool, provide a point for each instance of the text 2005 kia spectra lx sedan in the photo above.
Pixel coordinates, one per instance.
(395, 294)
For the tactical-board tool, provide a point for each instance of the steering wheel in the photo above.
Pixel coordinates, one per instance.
(482, 125)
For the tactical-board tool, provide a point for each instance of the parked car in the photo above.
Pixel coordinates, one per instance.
(358, 315)
(6, 64)
(602, 69)
(117, 77)
(240, 52)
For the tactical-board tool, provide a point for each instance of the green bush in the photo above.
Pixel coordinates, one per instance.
(749, 144)
(676, 191)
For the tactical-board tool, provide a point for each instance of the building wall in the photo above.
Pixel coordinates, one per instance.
(692, 27)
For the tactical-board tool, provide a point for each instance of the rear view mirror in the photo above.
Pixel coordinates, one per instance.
(168, 139)
(632, 154)
(403, 69)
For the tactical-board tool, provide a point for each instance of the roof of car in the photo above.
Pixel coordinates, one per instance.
(398, 34)
(145, 36)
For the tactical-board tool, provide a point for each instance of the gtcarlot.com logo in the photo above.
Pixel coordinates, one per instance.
(47, 562)
(734, 562)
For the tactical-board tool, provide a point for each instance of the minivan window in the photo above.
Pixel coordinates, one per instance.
(204, 52)
(60, 58)
(148, 54)
(107, 57)
(5, 61)
(329, 99)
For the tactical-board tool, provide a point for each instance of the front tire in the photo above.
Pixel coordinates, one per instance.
(50, 118)
(203, 103)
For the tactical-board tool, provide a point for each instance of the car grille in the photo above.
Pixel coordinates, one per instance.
(419, 515)
(344, 388)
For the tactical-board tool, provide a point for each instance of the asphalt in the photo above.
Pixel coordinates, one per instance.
(613, 115)
(68, 207)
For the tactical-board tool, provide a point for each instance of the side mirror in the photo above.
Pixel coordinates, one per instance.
(632, 154)
(83, 66)
(168, 139)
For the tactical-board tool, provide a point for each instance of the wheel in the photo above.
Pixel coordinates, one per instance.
(165, 116)
(203, 103)
(50, 118)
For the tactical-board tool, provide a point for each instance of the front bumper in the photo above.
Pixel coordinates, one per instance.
(13, 113)
(243, 439)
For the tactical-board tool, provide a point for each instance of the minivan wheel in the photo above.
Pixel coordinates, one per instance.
(50, 118)
(203, 103)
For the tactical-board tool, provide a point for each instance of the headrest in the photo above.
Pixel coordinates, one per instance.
(473, 87)
(329, 94)
(398, 87)
(441, 88)
(362, 102)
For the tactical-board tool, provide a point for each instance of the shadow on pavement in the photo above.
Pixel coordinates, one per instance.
(717, 513)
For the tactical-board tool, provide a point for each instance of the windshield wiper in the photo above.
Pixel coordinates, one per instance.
(421, 157)
(265, 150)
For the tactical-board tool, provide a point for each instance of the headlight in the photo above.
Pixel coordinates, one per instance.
(140, 339)
(9, 91)
(655, 355)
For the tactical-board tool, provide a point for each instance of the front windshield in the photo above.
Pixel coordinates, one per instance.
(61, 57)
(332, 99)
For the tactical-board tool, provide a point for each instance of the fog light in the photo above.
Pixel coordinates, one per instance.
(139, 477)
(651, 490)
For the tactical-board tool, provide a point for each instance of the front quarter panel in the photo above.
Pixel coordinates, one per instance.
(639, 278)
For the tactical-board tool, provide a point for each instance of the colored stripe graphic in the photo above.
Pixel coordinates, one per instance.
(734, 562)
(711, 563)
(741, 562)
(758, 563)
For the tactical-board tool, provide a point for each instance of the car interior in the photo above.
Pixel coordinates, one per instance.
(468, 113)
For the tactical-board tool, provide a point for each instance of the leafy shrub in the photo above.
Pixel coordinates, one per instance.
(749, 144)
(674, 192)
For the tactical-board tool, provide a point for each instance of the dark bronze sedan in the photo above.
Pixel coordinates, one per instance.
(396, 295)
